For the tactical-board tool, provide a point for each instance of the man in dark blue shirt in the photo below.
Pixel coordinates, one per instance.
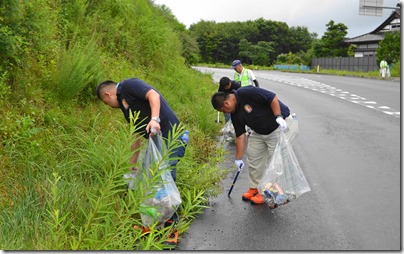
(136, 96)
(226, 85)
(260, 110)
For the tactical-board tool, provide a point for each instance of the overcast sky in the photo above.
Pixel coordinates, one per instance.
(313, 14)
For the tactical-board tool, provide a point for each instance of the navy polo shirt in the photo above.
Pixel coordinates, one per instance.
(131, 94)
(253, 109)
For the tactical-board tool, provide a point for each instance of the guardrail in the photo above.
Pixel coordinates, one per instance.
(291, 67)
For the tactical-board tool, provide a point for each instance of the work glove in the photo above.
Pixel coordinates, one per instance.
(282, 123)
(239, 164)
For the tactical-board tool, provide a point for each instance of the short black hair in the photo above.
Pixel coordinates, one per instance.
(101, 87)
(223, 82)
(218, 99)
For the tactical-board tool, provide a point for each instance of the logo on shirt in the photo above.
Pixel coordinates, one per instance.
(125, 104)
(247, 108)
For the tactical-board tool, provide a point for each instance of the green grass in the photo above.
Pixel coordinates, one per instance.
(81, 201)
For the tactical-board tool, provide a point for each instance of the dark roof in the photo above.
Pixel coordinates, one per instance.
(366, 38)
(375, 35)
(394, 15)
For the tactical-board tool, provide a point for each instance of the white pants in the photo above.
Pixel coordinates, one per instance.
(259, 152)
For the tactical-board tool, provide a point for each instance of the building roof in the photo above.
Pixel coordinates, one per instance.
(366, 38)
(394, 15)
(376, 35)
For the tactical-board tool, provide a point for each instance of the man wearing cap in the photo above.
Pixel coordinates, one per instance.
(245, 76)
(261, 110)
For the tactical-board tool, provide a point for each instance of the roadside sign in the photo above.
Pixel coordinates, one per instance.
(371, 7)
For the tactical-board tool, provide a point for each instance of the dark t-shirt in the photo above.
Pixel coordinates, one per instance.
(253, 109)
(131, 95)
(234, 86)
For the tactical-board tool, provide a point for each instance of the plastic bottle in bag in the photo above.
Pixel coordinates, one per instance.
(185, 137)
(274, 195)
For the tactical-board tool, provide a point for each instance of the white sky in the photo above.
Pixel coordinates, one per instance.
(313, 14)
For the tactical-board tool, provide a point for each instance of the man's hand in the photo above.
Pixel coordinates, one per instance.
(282, 123)
(153, 128)
(239, 164)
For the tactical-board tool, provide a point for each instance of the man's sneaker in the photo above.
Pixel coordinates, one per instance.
(169, 223)
(249, 194)
(144, 229)
(171, 241)
(257, 200)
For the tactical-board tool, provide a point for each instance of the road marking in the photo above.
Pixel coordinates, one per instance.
(330, 90)
(314, 86)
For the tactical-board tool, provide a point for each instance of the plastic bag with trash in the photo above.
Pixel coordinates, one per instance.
(284, 179)
(164, 196)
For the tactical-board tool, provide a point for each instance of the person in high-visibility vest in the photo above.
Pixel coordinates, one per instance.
(383, 67)
(245, 76)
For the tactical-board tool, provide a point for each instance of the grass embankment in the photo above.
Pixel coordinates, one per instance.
(63, 152)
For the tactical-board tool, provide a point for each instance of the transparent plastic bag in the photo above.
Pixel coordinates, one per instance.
(165, 194)
(293, 129)
(228, 131)
(284, 179)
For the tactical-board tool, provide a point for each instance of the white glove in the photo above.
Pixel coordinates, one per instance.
(282, 123)
(239, 164)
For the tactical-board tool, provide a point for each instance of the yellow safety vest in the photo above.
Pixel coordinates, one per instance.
(244, 77)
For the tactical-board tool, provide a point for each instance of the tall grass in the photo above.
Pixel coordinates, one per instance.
(78, 72)
(83, 203)
(62, 152)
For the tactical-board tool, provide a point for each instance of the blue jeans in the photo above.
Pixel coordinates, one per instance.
(177, 153)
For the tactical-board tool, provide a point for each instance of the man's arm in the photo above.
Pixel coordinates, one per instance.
(253, 78)
(154, 101)
(275, 106)
(240, 146)
(276, 109)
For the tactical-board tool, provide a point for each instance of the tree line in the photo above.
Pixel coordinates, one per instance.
(266, 42)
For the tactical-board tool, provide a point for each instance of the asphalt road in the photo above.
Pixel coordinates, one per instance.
(349, 150)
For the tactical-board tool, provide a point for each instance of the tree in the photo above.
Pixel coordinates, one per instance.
(332, 42)
(245, 51)
(389, 48)
(261, 53)
(300, 39)
(190, 49)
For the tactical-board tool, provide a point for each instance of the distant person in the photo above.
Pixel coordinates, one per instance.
(245, 76)
(383, 68)
(261, 110)
(226, 85)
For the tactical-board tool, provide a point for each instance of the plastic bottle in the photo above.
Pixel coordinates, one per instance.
(150, 211)
(185, 137)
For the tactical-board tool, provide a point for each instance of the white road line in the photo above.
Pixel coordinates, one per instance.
(317, 87)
